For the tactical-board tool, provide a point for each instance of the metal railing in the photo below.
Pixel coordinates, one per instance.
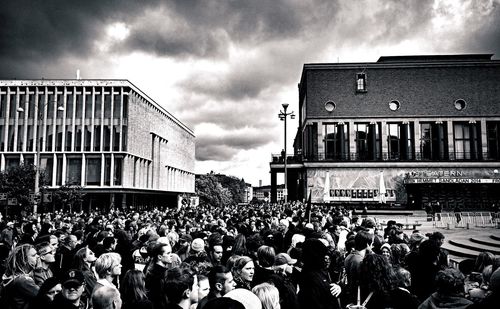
(387, 156)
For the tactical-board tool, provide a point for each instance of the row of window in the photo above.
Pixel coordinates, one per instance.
(94, 166)
(433, 143)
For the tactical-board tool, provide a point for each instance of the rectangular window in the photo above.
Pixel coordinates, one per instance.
(106, 138)
(467, 140)
(98, 106)
(88, 105)
(78, 138)
(118, 171)
(107, 106)
(74, 171)
(97, 138)
(400, 141)
(368, 141)
(493, 139)
(433, 141)
(69, 107)
(361, 82)
(59, 173)
(107, 171)
(116, 106)
(336, 141)
(79, 106)
(69, 136)
(88, 136)
(93, 171)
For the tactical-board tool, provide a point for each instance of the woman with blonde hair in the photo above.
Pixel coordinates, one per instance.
(268, 295)
(18, 285)
(243, 271)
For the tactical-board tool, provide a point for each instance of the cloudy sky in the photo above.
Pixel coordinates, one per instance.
(224, 67)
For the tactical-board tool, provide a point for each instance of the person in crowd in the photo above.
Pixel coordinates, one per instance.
(47, 258)
(315, 287)
(449, 291)
(18, 286)
(197, 254)
(386, 252)
(245, 297)
(224, 303)
(108, 268)
(377, 281)
(184, 246)
(424, 269)
(215, 249)
(106, 297)
(162, 257)
(7, 235)
(65, 254)
(283, 280)
(221, 281)
(264, 267)
(362, 245)
(133, 291)
(46, 294)
(181, 288)
(109, 244)
(84, 260)
(243, 272)
(268, 295)
(401, 297)
(73, 287)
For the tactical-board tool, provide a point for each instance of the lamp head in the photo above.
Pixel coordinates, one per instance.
(285, 105)
(60, 108)
(20, 109)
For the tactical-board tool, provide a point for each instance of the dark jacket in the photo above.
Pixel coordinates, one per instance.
(18, 291)
(314, 290)
(154, 285)
(437, 300)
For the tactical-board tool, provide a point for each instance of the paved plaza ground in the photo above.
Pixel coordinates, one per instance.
(461, 242)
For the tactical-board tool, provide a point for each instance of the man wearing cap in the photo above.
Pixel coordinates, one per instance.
(197, 254)
(73, 286)
(7, 234)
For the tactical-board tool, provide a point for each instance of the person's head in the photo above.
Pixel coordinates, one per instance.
(203, 286)
(386, 252)
(71, 241)
(221, 280)
(246, 297)
(483, 259)
(46, 253)
(133, 287)
(223, 303)
(181, 285)
(363, 240)
(73, 285)
(50, 288)
(21, 260)
(268, 295)
(162, 254)
(108, 264)
(314, 253)
(197, 246)
(265, 256)
(109, 243)
(403, 278)
(377, 273)
(450, 282)
(106, 297)
(244, 269)
(54, 242)
(437, 237)
(283, 263)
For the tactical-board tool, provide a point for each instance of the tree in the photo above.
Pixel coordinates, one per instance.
(219, 190)
(19, 182)
(69, 195)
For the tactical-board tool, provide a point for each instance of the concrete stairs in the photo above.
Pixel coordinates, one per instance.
(465, 247)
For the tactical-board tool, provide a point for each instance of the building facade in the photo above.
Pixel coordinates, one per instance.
(403, 130)
(107, 136)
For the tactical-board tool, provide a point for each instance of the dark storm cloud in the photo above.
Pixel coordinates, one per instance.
(223, 148)
(487, 40)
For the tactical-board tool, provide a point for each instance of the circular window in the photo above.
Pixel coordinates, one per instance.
(460, 104)
(330, 106)
(394, 105)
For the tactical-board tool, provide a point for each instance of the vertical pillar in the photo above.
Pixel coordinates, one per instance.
(63, 178)
(274, 193)
(352, 139)
(84, 177)
(321, 141)
(451, 142)
(484, 139)
(383, 137)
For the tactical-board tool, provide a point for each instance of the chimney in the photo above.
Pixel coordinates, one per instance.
(78, 74)
(260, 183)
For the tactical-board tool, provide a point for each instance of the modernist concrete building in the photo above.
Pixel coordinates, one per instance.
(105, 135)
(422, 129)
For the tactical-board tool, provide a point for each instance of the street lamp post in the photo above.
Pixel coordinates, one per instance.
(37, 144)
(283, 115)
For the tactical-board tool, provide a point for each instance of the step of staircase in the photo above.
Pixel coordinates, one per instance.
(485, 240)
(495, 237)
(460, 251)
(467, 244)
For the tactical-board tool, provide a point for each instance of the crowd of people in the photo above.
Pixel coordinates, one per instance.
(254, 256)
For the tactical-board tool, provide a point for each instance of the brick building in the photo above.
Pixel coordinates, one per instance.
(422, 129)
(122, 147)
